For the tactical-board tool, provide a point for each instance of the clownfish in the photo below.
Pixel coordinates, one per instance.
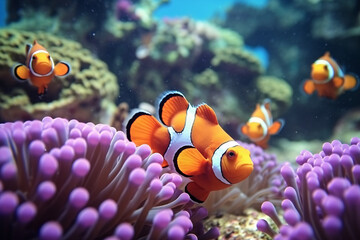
(39, 68)
(260, 125)
(328, 79)
(193, 144)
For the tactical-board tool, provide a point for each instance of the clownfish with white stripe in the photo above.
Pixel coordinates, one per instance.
(39, 68)
(261, 126)
(328, 79)
(193, 144)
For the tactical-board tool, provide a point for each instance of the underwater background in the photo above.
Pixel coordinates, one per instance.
(229, 54)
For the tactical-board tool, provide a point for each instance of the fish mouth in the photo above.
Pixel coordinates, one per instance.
(319, 77)
(43, 68)
(245, 169)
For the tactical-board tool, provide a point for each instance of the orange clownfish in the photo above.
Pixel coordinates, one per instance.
(193, 144)
(260, 125)
(39, 68)
(328, 79)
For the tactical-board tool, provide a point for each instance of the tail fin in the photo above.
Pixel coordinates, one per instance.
(351, 82)
(143, 128)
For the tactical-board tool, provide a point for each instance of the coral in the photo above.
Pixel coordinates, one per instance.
(347, 126)
(89, 85)
(264, 183)
(238, 227)
(298, 39)
(236, 62)
(276, 89)
(71, 180)
(199, 59)
(322, 199)
(119, 116)
(62, 17)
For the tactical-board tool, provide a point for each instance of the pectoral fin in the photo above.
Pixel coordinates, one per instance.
(309, 87)
(21, 72)
(62, 69)
(244, 129)
(338, 82)
(276, 126)
(189, 161)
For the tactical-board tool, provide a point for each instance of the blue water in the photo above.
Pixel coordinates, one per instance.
(2, 12)
(200, 9)
(197, 9)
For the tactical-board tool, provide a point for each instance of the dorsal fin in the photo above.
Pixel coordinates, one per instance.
(205, 111)
(27, 48)
(327, 54)
(267, 103)
(172, 103)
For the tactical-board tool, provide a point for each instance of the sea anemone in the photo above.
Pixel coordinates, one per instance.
(71, 180)
(264, 183)
(322, 200)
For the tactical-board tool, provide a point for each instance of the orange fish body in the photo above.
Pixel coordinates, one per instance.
(193, 144)
(328, 79)
(260, 126)
(39, 68)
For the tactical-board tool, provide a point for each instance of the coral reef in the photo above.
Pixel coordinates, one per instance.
(276, 89)
(295, 33)
(179, 45)
(119, 116)
(264, 183)
(326, 20)
(347, 126)
(90, 85)
(149, 56)
(67, 179)
(199, 59)
(238, 227)
(322, 199)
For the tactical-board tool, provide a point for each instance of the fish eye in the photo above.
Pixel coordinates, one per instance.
(231, 154)
(49, 57)
(325, 68)
(34, 57)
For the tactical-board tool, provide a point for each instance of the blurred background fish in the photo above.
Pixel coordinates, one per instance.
(260, 125)
(39, 68)
(328, 79)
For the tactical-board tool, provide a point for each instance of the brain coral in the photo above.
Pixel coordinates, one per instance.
(85, 94)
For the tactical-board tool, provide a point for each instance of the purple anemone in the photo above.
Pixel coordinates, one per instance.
(63, 179)
(322, 198)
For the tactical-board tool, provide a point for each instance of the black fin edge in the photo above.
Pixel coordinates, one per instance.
(131, 121)
(176, 158)
(164, 99)
(192, 197)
